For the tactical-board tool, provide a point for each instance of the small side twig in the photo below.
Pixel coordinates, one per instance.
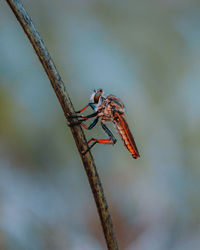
(79, 137)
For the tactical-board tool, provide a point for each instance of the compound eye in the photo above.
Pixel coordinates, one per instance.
(96, 97)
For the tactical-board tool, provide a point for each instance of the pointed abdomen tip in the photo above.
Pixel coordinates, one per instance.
(136, 156)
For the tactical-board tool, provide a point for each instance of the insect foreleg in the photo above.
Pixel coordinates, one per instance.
(89, 105)
(84, 116)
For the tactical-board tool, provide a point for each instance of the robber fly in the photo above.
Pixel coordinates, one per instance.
(107, 108)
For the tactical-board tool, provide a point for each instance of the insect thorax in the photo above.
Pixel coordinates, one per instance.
(109, 106)
(115, 103)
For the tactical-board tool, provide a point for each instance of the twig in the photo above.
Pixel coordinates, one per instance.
(79, 137)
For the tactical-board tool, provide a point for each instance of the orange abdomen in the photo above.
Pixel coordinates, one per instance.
(126, 135)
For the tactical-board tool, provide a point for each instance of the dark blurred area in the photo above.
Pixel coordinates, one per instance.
(146, 53)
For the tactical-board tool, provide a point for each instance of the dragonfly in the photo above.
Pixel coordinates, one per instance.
(107, 108)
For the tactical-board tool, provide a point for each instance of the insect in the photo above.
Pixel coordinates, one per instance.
(107, 108)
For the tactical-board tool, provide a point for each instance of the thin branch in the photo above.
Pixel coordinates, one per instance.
(79, 137)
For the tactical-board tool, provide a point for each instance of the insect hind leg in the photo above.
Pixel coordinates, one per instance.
(108, 132)
(95, 141)
(111, 141)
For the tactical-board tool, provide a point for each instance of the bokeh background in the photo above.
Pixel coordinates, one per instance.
(145, 52)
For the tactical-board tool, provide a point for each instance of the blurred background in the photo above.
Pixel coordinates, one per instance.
(145, 52)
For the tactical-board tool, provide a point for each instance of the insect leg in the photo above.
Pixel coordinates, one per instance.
(92, 124)
(81, 110)
(95, 141)
(89, 105)
(111, 141)
(108, 132)
(72, 124)
(84, 117)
